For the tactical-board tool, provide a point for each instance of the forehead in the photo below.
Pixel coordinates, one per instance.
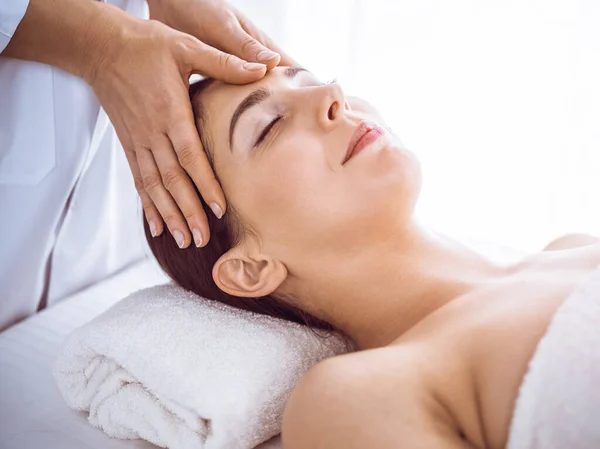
(225, 97)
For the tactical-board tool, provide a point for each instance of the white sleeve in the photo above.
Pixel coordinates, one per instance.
(11, 14)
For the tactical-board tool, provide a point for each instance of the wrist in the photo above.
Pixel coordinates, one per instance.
(103, 34)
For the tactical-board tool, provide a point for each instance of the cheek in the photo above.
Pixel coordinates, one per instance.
(288, 184)
(301, 202)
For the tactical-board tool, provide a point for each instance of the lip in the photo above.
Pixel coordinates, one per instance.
(366, 133)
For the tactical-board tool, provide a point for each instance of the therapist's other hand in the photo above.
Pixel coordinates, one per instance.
(222, 26)
(142, 83)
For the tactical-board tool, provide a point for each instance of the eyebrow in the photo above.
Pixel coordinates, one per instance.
(255, 98)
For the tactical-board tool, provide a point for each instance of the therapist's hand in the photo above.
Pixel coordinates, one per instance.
(142, 83)
(222, 26)
(139, 70)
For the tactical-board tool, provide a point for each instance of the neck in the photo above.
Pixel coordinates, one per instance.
(393, 285)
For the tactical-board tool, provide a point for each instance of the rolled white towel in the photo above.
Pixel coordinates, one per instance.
(184, 372)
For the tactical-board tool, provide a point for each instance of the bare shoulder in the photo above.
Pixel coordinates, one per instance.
(373, 398)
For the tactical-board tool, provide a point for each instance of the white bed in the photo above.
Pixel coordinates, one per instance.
(32, 412)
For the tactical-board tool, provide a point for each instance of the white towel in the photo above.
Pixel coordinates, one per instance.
(183, 372)
(558, 406)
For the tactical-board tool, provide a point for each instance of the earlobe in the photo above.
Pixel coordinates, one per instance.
(240, 274)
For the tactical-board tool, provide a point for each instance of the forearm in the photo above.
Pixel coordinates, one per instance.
(73, 35)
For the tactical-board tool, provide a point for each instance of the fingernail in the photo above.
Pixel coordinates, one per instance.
(152, 227)
(197, 238)
(266, 55)
(178, 236)
(216, 210)
(252, 66)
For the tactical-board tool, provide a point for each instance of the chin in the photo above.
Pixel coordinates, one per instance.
(395, 164)
(396, 181)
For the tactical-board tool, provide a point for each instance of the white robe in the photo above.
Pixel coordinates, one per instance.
(55, 144)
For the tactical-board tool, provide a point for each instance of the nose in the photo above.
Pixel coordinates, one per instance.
(332, 106)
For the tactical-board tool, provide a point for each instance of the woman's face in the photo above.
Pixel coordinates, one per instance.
(279, 148)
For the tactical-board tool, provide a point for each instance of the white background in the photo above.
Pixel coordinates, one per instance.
(500, 100)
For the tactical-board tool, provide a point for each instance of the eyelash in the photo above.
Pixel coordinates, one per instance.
(267, 130)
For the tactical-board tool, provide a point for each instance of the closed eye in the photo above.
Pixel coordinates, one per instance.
(265, 132)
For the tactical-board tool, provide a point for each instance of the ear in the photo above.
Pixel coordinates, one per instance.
(248, 275)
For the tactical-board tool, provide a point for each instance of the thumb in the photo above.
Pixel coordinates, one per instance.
(242, 44)
(210, 62)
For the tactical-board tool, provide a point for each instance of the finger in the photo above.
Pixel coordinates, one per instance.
(155, 222)
(208, 61)
(178, 184)
(286, 60)
(163, 200)
(242, 44)
(193, 159)
(254, 31)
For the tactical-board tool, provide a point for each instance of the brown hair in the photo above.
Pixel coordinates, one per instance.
(191, 268)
